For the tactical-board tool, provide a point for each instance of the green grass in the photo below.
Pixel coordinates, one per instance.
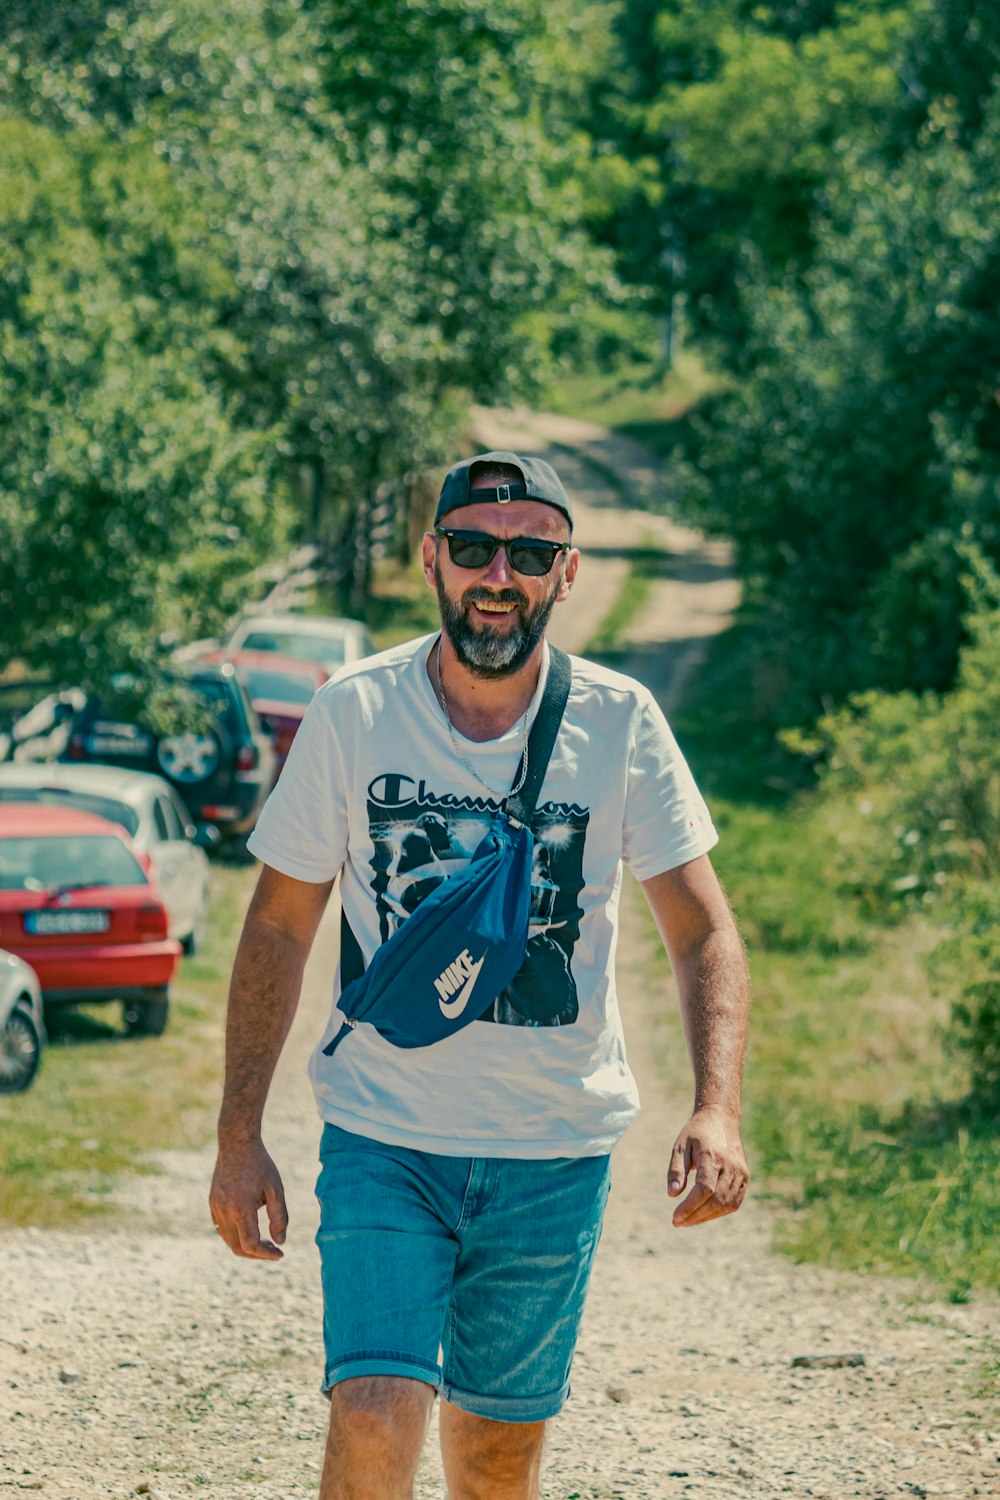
(641, 401)
(102, 1100)
(857, 1115)
(631, 396)
(646, 563)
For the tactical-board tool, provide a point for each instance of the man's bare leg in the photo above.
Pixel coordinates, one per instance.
(486, 1460)
(378, 1424)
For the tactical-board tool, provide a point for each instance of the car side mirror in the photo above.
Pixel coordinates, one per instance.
(207, 837)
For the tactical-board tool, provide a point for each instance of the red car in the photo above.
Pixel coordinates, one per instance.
(76, 904)
(280, 689)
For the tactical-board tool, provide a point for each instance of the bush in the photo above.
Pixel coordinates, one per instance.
(858, 454)
(914, 786)
(922, 772)
(976, 1020)
(970, 958)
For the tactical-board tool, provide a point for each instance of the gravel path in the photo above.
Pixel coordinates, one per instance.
(140, 1358)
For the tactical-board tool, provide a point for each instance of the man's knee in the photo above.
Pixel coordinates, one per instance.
(379, 1413)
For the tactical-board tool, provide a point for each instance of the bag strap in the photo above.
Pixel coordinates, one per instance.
(520, 808)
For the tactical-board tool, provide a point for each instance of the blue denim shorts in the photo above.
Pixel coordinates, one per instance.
(469, 1273)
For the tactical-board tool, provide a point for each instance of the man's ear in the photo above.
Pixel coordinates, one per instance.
(428, 557)
(569, 574)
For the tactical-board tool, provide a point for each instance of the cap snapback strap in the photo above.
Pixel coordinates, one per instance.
(502, 494)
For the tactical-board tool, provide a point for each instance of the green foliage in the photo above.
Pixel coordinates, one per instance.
(638, 397)
(387, 217)
(131, 501)
(734, 117)
(857, 1124)
(646, 562)
(859, 455)
(816, 186)
(756, 140)
(845, 1033)
(924, 776)
(350, 147)
(819, 183)
(735, 120)
(952, 54)
(912, 1191)
(972, 950)
(915, 786)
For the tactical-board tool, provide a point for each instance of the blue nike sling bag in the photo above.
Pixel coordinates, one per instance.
(471, 932)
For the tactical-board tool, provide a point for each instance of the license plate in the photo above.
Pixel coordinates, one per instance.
(41, 922)
(119, 744)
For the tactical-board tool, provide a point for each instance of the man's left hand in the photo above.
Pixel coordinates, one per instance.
(710, 1146)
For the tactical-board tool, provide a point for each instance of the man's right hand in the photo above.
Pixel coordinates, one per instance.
(245, 1181)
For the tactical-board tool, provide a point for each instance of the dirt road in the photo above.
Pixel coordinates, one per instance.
(142, 1358)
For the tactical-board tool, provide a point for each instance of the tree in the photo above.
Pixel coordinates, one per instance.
(394, 191)
(737, 116)
(131, 501)
(861, 452)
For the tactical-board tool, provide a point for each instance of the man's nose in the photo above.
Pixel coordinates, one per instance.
(499, 573)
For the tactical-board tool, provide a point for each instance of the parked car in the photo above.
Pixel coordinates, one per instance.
(22, 1025)
(76, 904)
(223, 775)
(168, 843)
(281, 689)
(324, 639)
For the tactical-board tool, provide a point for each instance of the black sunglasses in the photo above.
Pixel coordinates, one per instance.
(526, 554)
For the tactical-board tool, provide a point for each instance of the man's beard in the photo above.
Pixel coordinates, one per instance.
(485, 652)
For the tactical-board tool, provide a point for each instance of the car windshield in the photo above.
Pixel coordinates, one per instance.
(104, 807)
(286, 687)
(76, 860)
(318, 648)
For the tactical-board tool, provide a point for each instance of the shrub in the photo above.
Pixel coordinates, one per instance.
(913, 785)
(970, 958)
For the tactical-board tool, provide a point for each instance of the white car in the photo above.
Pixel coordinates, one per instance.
(153, 816)
(22, 1026)
(323, 639)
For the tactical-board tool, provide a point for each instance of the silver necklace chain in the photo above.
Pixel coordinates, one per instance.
(522, 778)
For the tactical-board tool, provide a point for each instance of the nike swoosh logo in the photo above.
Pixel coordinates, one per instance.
(454, 1007)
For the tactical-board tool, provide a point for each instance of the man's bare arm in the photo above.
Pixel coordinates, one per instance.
(709, 964)
(263, 995)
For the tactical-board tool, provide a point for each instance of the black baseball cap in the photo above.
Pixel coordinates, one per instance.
(539, 481)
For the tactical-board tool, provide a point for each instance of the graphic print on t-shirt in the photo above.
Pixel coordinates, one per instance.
(421, 838)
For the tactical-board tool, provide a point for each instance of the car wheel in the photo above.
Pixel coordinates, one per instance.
(20, 1052)
(146, 1015)
(189, 758)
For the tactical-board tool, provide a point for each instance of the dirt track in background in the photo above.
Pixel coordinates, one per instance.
(139, 1357)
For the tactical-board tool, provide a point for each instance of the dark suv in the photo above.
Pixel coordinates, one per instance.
(223, 773)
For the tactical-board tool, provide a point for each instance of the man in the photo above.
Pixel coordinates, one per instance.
(463, 1183)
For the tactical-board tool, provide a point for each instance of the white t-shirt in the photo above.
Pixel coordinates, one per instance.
(374, 791)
